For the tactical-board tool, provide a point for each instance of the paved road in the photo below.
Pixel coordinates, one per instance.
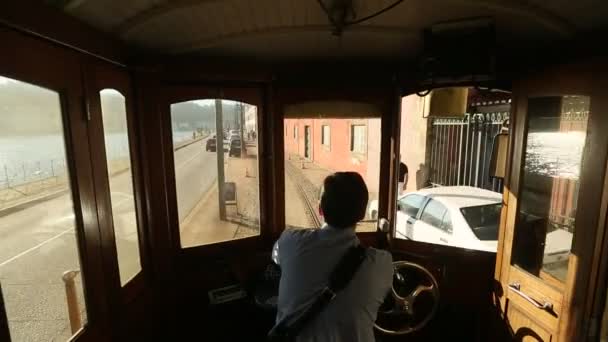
(38, 244)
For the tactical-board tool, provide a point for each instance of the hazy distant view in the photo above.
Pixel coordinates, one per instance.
(200, 114)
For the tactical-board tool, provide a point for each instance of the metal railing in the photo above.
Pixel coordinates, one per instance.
(461, 148)
(12, 175)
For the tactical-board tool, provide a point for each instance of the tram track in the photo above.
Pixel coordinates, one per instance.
(307, 192)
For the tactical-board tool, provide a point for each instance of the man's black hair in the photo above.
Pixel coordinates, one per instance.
(344, 199)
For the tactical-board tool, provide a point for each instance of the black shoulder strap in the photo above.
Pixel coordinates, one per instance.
(289, 327)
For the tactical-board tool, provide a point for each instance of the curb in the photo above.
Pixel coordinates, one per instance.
(204, 198)
(21, 206)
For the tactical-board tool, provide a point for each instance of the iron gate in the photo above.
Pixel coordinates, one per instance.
(461, 148)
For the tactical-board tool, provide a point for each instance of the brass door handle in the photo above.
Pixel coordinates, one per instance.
(547, 306)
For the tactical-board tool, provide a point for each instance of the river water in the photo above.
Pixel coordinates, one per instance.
(27, 158)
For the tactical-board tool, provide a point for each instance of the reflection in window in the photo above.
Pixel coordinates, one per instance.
(38, 242)
(309, 160)
(216, 170)
(548, 199)
(116, 137)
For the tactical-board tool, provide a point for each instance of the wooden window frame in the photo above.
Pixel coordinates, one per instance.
(101, 75)
(387, 99)
(253, 95)
(48, 65)
(581, 78)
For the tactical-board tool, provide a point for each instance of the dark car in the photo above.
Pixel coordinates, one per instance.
(211, 144)
(235, 148)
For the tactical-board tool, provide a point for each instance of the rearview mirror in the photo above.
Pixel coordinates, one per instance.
(498, 160)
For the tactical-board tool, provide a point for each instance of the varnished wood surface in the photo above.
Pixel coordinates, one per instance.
(575, 79)
(59, 69)
(39, 19)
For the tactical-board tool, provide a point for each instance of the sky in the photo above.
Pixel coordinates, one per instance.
(212, 102)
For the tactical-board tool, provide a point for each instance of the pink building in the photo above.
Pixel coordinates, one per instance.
(337, 145)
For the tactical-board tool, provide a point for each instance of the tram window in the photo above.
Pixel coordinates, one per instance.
(445, 144)
(38, 244)
(216, 171)
(308, 160)
(555, 141)
(116, 137)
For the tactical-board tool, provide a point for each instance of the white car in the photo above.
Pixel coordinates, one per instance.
(459, 216)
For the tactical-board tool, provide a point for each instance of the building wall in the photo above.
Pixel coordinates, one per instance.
(337, 156)
(413, 149)
(251, 118)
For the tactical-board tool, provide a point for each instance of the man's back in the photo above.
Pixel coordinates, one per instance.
(307, 258)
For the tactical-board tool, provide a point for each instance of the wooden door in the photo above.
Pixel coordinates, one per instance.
(553, 201)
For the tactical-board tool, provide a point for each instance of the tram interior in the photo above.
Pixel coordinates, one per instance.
(152, 152)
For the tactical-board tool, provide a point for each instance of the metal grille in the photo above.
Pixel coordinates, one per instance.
(461, 149)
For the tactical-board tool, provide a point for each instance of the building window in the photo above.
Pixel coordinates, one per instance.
(325, 135)
(358, 138)
(295, 132)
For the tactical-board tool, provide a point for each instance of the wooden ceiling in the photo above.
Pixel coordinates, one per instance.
(283, 29)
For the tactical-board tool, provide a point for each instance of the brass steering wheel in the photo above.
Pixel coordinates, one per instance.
(403, 317)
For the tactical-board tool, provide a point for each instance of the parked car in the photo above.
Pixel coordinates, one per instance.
(234, 134)
(459, 216)
(235, 148)
(211, 145)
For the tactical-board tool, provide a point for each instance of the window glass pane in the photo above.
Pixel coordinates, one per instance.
(410, 205)
(116, 136)
(38, 244)
(358, 138)
(325, 136)
(548, 197)
(446, 223)
(445, 151)
(308, 162)
(216, 170)
(433, 213)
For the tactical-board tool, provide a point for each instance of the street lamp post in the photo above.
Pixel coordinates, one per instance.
(219, 150)
(242, 114)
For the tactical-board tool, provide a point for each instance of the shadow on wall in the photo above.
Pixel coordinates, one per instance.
(423, 176)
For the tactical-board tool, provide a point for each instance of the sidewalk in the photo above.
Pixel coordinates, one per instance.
(204, 226)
